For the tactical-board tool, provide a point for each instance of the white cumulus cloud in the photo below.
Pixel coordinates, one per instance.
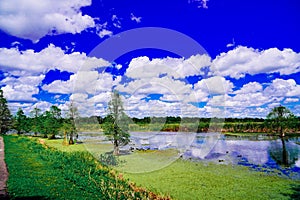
(22, 88)
(31, 19)
(243, 60)
(164, 85)
(251, 87)
(281, 88)
(20, 92)
(29, 62)
(143, 67)
(89, 82)
(214, 85)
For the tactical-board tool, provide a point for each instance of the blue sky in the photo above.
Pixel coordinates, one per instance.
(227, 58)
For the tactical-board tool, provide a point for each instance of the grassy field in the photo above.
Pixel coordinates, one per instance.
(37, 172)
(195, 180)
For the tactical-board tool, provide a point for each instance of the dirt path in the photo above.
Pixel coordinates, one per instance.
(3, 171)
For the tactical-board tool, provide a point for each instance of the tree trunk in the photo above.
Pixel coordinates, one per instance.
(116, 148)
(281, 132)
(285, 158)
(65, 142)
(71, 141)
(116, 151)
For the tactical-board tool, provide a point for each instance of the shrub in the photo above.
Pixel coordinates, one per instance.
(108, 159)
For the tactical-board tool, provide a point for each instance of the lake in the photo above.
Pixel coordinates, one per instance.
(268, 154)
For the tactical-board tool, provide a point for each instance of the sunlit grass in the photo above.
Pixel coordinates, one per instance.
(38, 172)
(58, 144)
(148, 160)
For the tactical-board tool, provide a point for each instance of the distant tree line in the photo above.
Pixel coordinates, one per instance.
(234, 125)
(49, 123)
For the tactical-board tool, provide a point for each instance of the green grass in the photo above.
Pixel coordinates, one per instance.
(93, 147)
(146, 161)
(43, 173)
(191, 180)
(151, 159)
(245, 134)
(259, 134)
(57, 144)
(198, 180)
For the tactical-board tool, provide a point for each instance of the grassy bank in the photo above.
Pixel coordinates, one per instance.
(197, 180)
(42, 173)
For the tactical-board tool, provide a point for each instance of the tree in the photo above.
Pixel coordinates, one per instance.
(116, 123)
(51, 122)
(70, 123)
(43, 128)
(67, 128)
(5, 115)
(280, 118)
(21, 123)
(36, 120)
(54, 121)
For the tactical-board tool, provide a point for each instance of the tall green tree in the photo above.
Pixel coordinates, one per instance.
(53, 121)
(45, 123)
(36, 125)
(116, 123)
(281, 118)
(21, 122)
(5, 115)
(67, 128)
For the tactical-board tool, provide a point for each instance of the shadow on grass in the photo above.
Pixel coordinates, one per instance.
(27, 198)
(296, 192)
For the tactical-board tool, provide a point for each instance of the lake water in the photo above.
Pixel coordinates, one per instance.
(262, 153)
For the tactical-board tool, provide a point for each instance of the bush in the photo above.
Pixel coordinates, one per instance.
(108, 160)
